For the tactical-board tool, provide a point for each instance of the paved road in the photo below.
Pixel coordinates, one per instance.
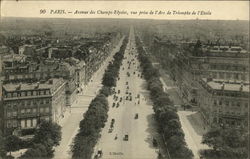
(140, 131)
(70, 125)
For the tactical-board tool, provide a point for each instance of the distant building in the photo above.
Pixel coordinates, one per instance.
(223, 102)
(25, 105)
(231, 64)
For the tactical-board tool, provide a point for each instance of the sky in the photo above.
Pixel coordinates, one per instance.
(214, 10)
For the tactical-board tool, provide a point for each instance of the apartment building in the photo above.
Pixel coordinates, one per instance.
(223, 102)
(26, 104)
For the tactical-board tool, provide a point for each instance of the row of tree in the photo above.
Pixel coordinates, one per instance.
(112, 72)
(97, 113)
(165, 113)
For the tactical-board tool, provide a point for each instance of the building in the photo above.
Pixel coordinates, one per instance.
(26, 104)
(223, 102)
(189, 64)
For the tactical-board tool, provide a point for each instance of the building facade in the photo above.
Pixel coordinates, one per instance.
(224, 103)
(25, 105)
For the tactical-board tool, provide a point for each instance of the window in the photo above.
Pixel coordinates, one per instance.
(34, 93)
(34, 110)
(8, 95)
(214, 75)
(28, 110)
(47, 109)
(28, 123)
(28, 102)
(22, 103)
(238, 104)
(14, 123)
(41, 110)
(8, 113)
(29, 93)
(215, 102)
(227, 103)
(233, 104)
(14, 113)
(41, 92)
(15, 94)
(47, 101)
(47, 118)
(221, 75)
(9, 124)
(243, 77)
(237, 76)
(22, 111)
(246, 105)
(34, 122)
(220, 102)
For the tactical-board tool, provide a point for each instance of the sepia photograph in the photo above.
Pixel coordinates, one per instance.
(124, 79)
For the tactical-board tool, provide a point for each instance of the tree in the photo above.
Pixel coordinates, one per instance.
(48, 130)
(12, 143)
(105, 90)
(109, 79)
(2, 147)
(213, 139)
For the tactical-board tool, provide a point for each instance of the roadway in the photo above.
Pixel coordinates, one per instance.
(70, 123)
(140, 131)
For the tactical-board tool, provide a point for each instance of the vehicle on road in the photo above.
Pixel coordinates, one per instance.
(111, 129)
(113, 105)
(120, 99)
(130, 98)
(98, 154)
(119, 91)
(117, 105)
(125, 137)
(136, 116)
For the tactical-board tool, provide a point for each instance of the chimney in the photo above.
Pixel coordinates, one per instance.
(51, 81)
(222, 86)
(18, 87)
(37, 85)
(50, 52)
(209, 79)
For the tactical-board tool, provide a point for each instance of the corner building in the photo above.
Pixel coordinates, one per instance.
(25, 105)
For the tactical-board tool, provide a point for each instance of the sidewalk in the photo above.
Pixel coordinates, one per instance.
(191, 121)
(73, 116)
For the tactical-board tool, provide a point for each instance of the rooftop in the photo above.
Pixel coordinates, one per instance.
(228, 49)
(228, 86)
(50, 84)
